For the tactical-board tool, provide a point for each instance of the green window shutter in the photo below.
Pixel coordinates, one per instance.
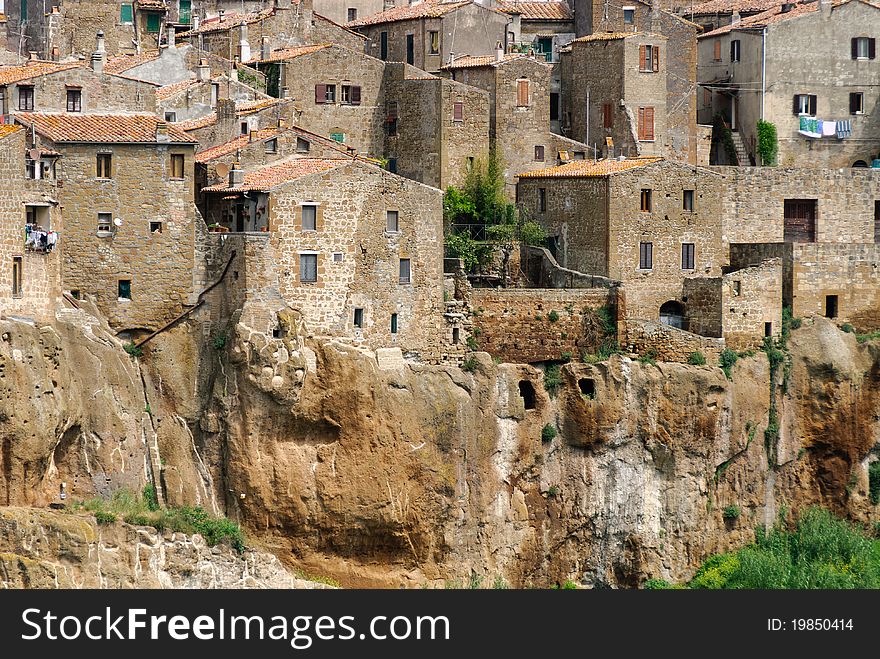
(185, 10)
(153, 21)
(125, 14)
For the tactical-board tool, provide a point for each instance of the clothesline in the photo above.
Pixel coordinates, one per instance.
(38, 240)
(818, 128)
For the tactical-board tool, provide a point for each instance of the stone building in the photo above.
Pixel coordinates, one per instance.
(810, 69)
(30, 275)
(193, 98)
(617, 93)
(355, 249)
(232, 119)
(126, 192)
(541, 27)
(597, 16)
(428, 34)
(519, 118)
(649, 223)
(345, 11)
(717, 13)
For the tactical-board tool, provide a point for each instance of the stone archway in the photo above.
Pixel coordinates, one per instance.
(672, 314)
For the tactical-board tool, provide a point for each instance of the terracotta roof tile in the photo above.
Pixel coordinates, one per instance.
(536, 11)
(230, 20)
(289, 53)
(152, 5)
(13, 74)
(473, 62)
(604, 36)
(271, 176)
(234, 145)
(426, 9)
(8, 129)
(122, 63)
(776, 15)
(198, 122)
(590, 168)
(245, 108)
(99, 128)
(166, 92)
(730, 6)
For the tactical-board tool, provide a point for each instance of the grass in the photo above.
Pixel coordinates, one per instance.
(470, 364)
(548, 433)
(650, 357)
(327, 581)
(553, 316)
(864, 338)
(133, 350)
(609, 347)
(472, 344)
(142, 510)
(219, 341)
(874, 482)
(697, 359)
(726, 361)
(552, 380)
(731, 512)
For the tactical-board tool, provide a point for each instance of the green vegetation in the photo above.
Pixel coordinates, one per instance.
(552, 491)
(731, 512)
(725, 135)
(548, 433)
(650, 357)
(727, 360)
(849, 329)
(150, 497)
(499, 583)
(470, 364)
(219, 341)
(821, 551)
(566, 356)
(327, 581)
(143, 510)
(553, 316)
(133, 350)
(472, 344)
(568, 584)
(552, 380)
(768, 144)
(697, 359)
(874, 482)
(864, 338)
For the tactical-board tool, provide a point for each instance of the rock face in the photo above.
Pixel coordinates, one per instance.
(380, 473)
(48, 549)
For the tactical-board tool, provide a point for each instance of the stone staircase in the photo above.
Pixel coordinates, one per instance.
(742, 156)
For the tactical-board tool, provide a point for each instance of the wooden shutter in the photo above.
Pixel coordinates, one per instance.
(642, 59)
(646, 124)
(872, 48)
(796, 106)
(522, 93)
(655, 58)
(853, 103)
(717, 50)
(812, 105)
(355, 95)
(641, 123)
(458, 111)
(320, 94)
(606, 115)
(854, 46)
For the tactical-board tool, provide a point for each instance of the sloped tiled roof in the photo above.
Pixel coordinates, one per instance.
(8, 129)
(776, 15)
(234, 145)
(122, 63)
(100, 128)
(271, 176)
(590, 168)
(245, 108)
(283, 54)
(426, 9)
(730, 6)
(474, 62)
(166, 92)
(13, 74)
(230, 20)
(536, 11)
(604, 36)
(198, 122)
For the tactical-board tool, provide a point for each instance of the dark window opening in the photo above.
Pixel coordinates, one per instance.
(104, 166)
(800, 220)
(768, 329)
(405, 271)
(410, 49)
(456, 336)
(539, 152)
(646, 256)
(383, 46)
(74, 100)
(687, 256)
(25, 98)
(352, 14)
(587, 387)
(542, 199)
(302, 146)
(17, 276)
(646, 200)
(672, 314)
(687, 200)
(155, 227)
(394, 323)
(124, 289)
(831, 306)
(359, 318)
(276, 333)
(75, 294)
(877, 221)
(527, 393)
(554, 106)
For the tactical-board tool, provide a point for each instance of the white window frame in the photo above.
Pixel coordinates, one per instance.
(299, 266)
(632, 14)
(863, 41)
(302, 205)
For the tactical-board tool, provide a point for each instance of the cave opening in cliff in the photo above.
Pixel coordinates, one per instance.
(587, 387)
(527, 392)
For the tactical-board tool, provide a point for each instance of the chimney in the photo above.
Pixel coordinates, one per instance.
(285, 92)
(499, 51)
(244, 48)
(203, 71)
(220, 15)
(236, 175)
(98, 55)
(252, 135)
(787, 7)
(162, 132)
(99, 41)
(32, 55)
(735, 18)
(265, 49)
(195, 22)
(170, 35)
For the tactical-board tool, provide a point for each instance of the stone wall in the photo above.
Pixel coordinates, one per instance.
(159, 265)
(518, 326)
(543, 271)
(670, 344)
(338, 11)
(752, 298)
(701, 298)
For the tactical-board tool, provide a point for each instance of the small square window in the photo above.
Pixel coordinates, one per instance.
(177, 166)
(405, 271)
(104, 165)
(856, 103)
(352, 14)
(330, 94)
(155, 227)
(302, 146)
(74, 100)
(105, 223)
(539, 152)
(687, 200)
(309, 217)
(123, 290)
(245, 128)
(737, 288)
(308, 268)
(171, 116)
(25, 98)
(359, 318)
(271, 146)
(338, 257)
(392, 221)
(629, 15)
(646, 200)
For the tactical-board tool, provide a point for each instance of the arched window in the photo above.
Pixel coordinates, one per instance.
(672, 314)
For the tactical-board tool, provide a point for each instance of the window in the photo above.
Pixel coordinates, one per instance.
(542, 199)
(646, 124)
(522, 93)
(864, 48)
(649, 58)
(394, 323)
(527, 393)
(345, 94)
(25, 98)
(716, 45)
(74, 100)
(325, 94)
(155, 227)
(337, 136)
(105, 223)
(383, 46)
(877, 221)
(805, 104)
(410, 49)
(123, 289)
(629, 15)
(359, 318)
(539, 152)
(646, 256)
(799, 221)
(392, 221)
(184, 12)
(215, 93)
(405, 271)
(308, 268)
(607, 115)
(351, 94)
(352, 14)
(154, 23)
(456, 335)
(458, 111)
(177, 163)
(831, 306)
(245, 128)
(768, 329)
(587, 387)
(23, 12)
(309, 217)
(857, 103)
(271, 146)
(392, 165)
(687, 256)
(434, 41)
(104, 165)
(391, 118)
(17, 276)
(171, 116)
(734, 50)
(646, 200)
(331, 93)
(687, 200)
(338, 257)
(737, 288)
(302, 146)
(554, 106)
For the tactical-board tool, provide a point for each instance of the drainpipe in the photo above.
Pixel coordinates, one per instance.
(763, 69)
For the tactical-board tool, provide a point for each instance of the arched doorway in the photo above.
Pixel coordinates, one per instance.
(672, 314)
(860, 163)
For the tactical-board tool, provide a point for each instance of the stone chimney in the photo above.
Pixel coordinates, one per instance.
(285, 92)
(195, 22)
(170, 35)
(32, 55)
(252, 135)
(162, 132)
(244, 48)
(98, 55)
(203, 71)
(236, 176)
(221, 14)
(499, 51)
(282, 4)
